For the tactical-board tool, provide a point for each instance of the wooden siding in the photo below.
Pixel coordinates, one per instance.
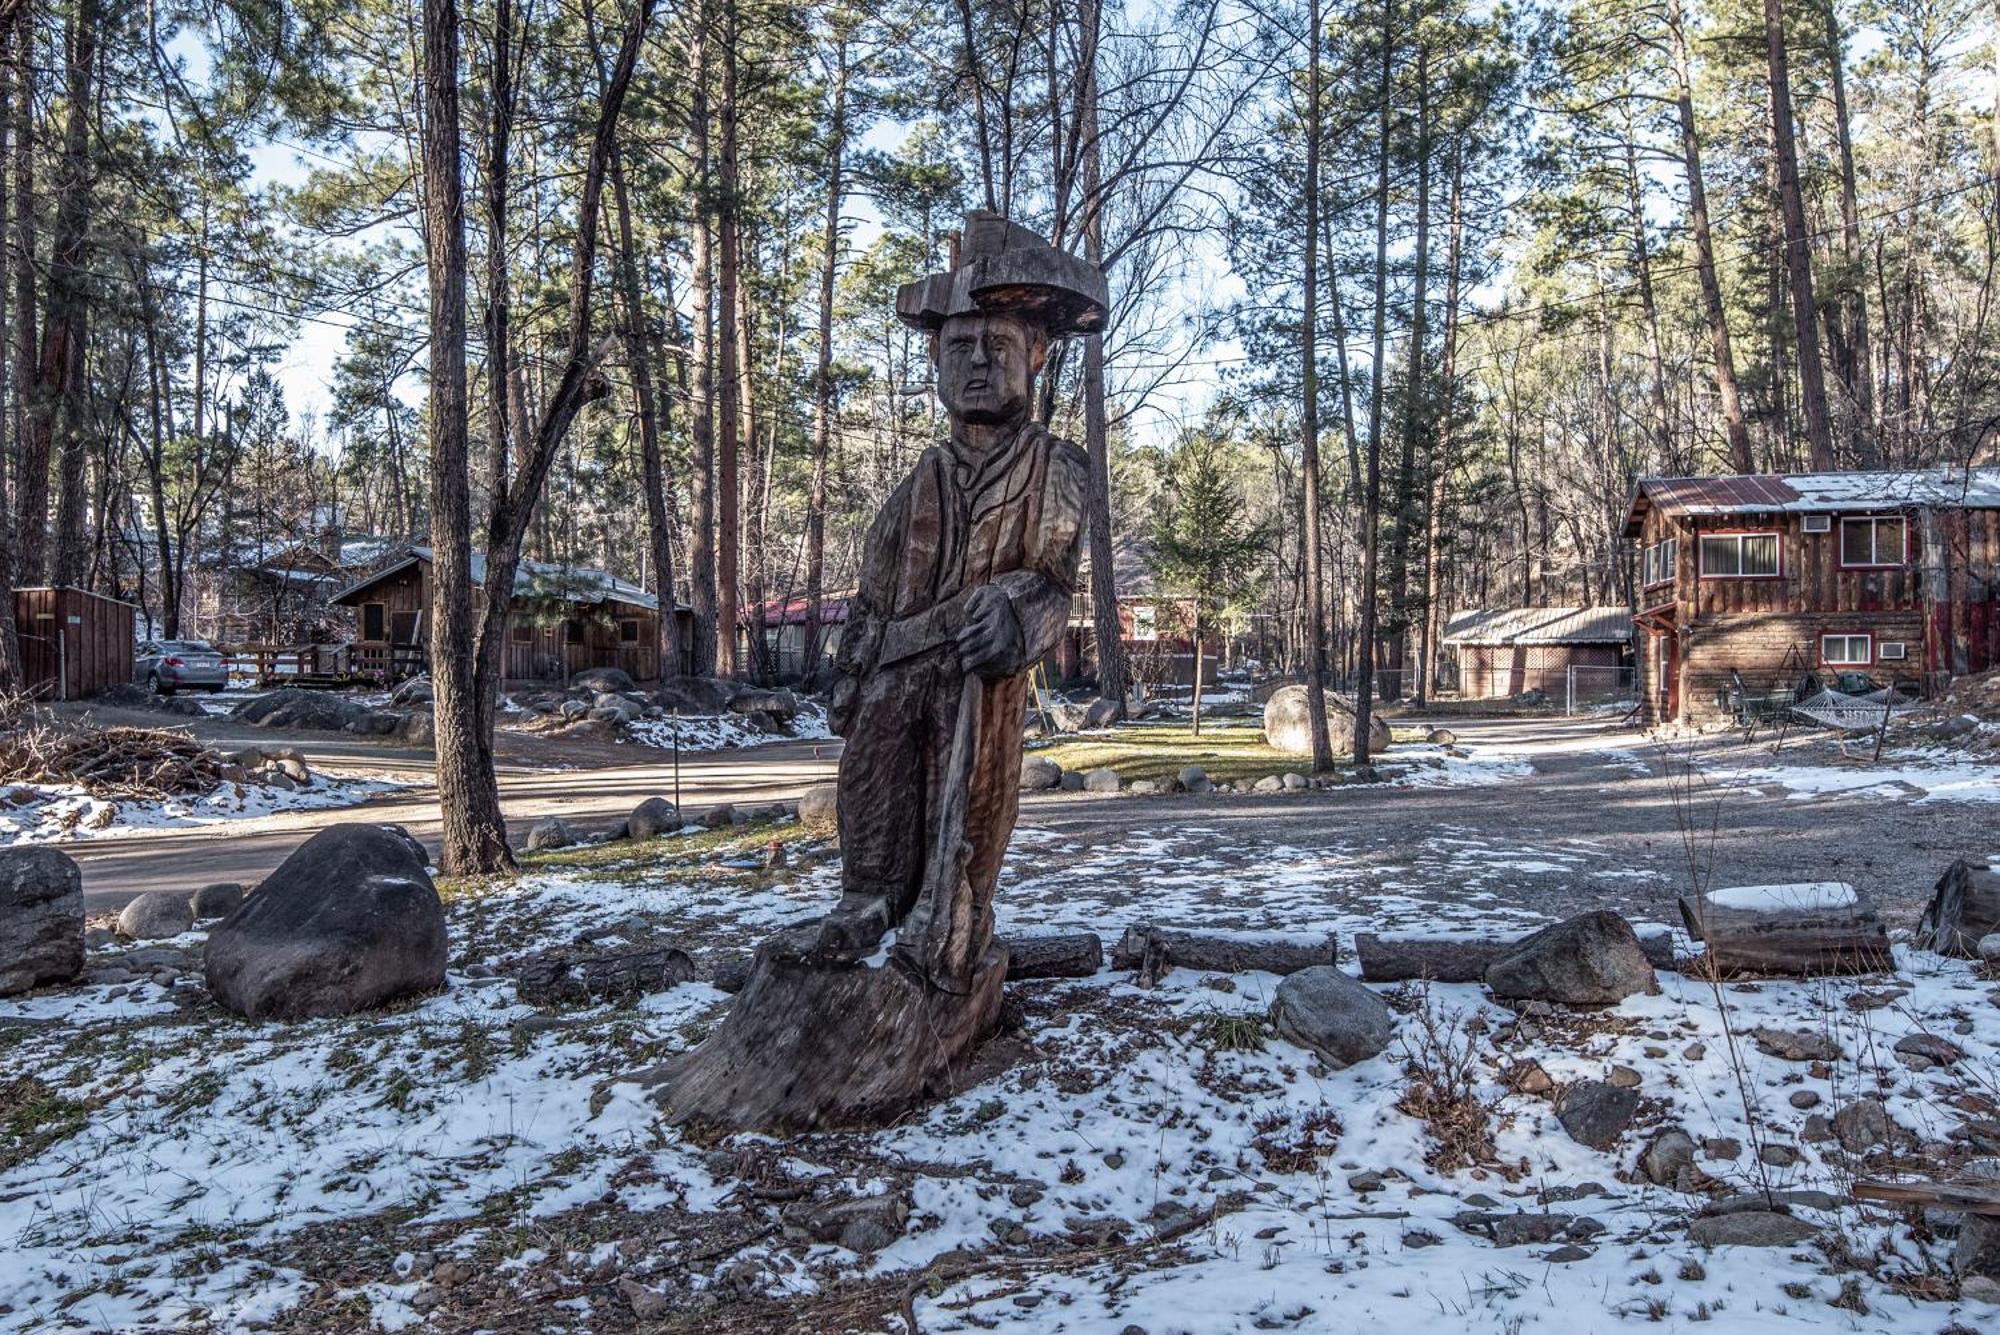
(1496, 671)
(84, 638)
(1943, 602)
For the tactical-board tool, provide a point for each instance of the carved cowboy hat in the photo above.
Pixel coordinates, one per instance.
(1002, 268)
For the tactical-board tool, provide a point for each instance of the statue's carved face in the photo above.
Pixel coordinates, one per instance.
(987, 366)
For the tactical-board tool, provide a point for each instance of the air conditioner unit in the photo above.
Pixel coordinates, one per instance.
(1893, 650)
(1817, 524)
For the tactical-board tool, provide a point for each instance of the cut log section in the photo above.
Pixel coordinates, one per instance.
(1964, 907)
(1056, 955)
(1980, 1198)
(571, 978)
(1153, 951)
(1397, 958)
(1068, 955)
(809, 1045)
(1811, 929)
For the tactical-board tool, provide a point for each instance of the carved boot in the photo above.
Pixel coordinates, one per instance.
(853, 929)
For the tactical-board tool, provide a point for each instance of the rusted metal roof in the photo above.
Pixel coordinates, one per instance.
(1811, 493)
(1540, 625)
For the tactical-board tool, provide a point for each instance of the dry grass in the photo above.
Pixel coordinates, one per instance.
(1441, 1060)
(1226, 750)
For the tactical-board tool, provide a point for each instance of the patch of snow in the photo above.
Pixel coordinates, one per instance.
(1932, 774)
(726, 732)
(64, 813)
(1805, 896)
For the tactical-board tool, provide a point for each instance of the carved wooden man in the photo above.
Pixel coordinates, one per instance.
(965, 582)
(968, 572)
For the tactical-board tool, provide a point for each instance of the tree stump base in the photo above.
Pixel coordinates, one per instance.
(810, 1045)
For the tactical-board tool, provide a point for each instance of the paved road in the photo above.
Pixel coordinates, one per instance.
(590, 799)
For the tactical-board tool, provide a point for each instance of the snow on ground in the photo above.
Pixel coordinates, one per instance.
(220, 1172)
(725, 732)
(40, 813)
(1933, 774)
(1430, 766)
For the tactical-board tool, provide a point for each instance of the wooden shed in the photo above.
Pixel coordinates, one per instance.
(1504, 652)
(1762, 579)
(74, 643)
(564, 619)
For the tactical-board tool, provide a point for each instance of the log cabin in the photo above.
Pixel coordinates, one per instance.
(564, 619)
(1764, 579)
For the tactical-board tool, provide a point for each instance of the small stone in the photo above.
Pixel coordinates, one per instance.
(1194, 779)
(1364, 1182)
(646, 1304)
(1694, 1052)
(1596, 1113)
(651, 818)
(1624, 1077)
(1038, 773)
(1667, 1157)
(548, 832)
(1072, 781)
(1296, 783)
(1024, 1194)
(719, 817)
(1805, 1098)
(1861, 1125)
(1722, 1148)
(1100, 780)
(1270, 783)
(1816, 1130)
(1567, 1253)
(1332, 1015)
(1795, 1045)
(1527, 1077)
(1416, 1238)
(1114, 1160)
(1778, 1156)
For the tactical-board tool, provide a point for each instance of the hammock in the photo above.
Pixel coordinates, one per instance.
(1849, 713)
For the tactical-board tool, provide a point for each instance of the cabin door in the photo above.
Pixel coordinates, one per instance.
(1667, 650)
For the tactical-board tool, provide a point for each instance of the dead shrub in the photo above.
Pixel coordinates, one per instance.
(1296, 1143)
(1441, 1061)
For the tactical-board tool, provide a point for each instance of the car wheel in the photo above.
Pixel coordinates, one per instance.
(153, 682)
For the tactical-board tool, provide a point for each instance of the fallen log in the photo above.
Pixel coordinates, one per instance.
(1067, 955)
(573, 978)
(1980, 1198)
(1964, 907)
(1394, 957)
(1809, 929)
(1152, 951)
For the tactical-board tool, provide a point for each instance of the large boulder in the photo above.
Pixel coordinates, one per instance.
(603, 680)
(1332, 1015)
(653, 817)
(350, 920)
(419, 727)
(1288, 723)
(1039, 773)
(415, 691)
(780, 705)
(290, 707)
(695, 695)
(156, 914)
(1593, 959)
(819, 806)
(41, 919)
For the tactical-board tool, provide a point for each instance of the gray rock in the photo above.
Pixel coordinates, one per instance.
(1795, 1045)
(291, 707)
(1724, 1148)
(281, 781)
(864, 1224)
(293, 768)
(156, 914)
(1861, 1125)
(415, 691)
(719, 817)
(1977, 1255)
(350, 920)
(1143, 787)
(695, 695)
(1296, 783)
(1194, 779)
(653, 817)
(1039, 773)
(1072, 781)
(1989, 947)
(602, 680)
(1593, 959)
(376, 723)
(1100, 713)
(1668, 1157)
(819, 806)
(1596, 1113)
(1930, 1047)
(216, 901)
(1270, 783)
(1805, 1098)
(782, 706)
(548, 832)
(1749, 1228)
(1441, 737)
(1100, 781)
(1332, 1015)
(622, 712)
(41, 919)
(573, 709)
(1779, 1156)
(1288, 723)
(419, 727)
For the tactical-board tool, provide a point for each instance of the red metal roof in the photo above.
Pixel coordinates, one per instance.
(1802, 493)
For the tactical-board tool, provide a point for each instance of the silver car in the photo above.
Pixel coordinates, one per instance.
(166, 666)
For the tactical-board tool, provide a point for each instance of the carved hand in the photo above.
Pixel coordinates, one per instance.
(990, 643)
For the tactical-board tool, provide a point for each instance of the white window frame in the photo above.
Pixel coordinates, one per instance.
(1875, 542)
(1660, 563)
(1901, 654)
(1816, 524)
(1701, 554)
(1145, 622)
(1848, 637)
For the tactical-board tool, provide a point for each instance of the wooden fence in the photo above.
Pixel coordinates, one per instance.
(73, 643)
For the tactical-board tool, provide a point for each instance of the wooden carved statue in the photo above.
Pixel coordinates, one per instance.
(966, 582)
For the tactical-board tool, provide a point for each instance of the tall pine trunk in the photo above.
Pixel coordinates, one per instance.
(1114, 673)
(822, 446)
(1798, 256)
(1407, 505)
(728, 306)
(701, 487)
(1371, 503)
(1853, 361)
(31, 408)
(1310, 551)
(652, 467)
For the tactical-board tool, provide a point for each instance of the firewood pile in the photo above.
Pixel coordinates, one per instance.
(136, 763)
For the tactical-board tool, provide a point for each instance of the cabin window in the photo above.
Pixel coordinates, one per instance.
(628, 631)
(1847, 650)
(1873, 541)
(1660, 560)
(403, 628)
(374, 622)
(521, 633)
(1739, 555)
(1145, 622)
(573, 631)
